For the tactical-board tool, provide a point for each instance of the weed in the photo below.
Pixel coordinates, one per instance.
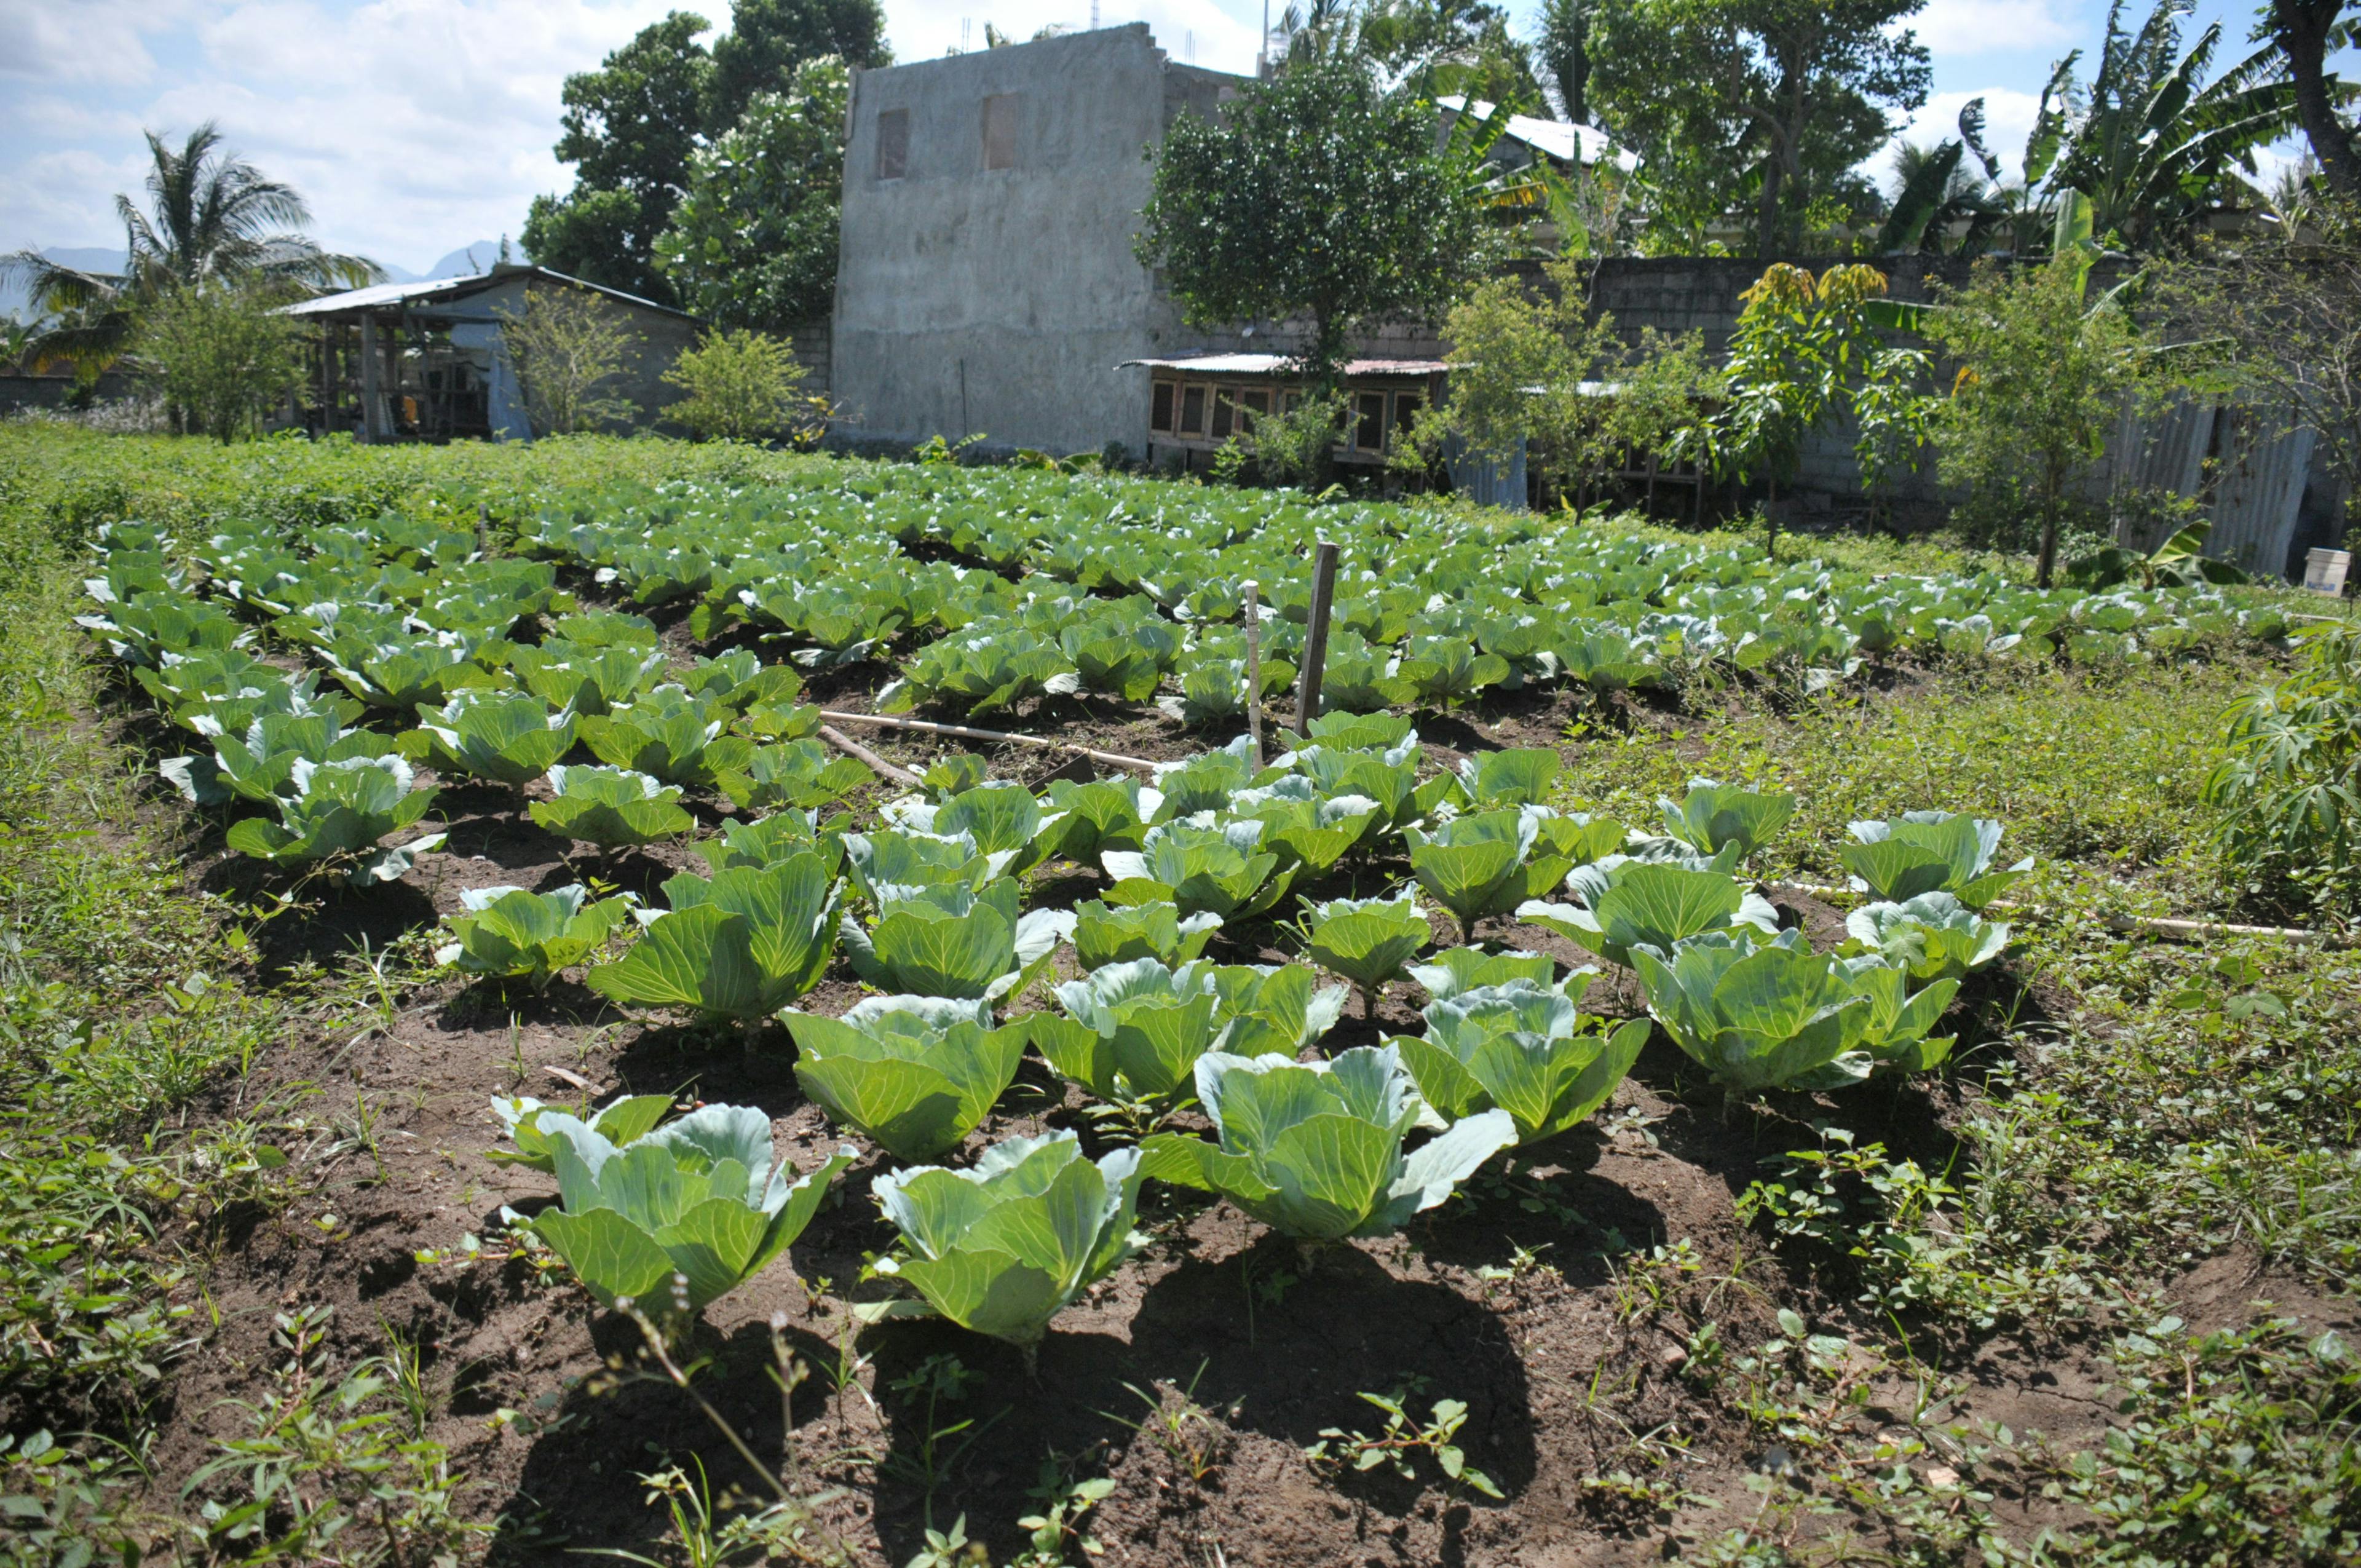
(1184, 1431)
(1057, 1527)
(1404, 1439)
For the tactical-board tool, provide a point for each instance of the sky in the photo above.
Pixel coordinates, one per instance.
(416, 126)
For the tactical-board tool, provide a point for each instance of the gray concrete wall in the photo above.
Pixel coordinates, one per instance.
(1000, 301)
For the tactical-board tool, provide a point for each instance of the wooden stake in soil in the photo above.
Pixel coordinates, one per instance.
(1254, 667)
(1315, 637)
(968, 732)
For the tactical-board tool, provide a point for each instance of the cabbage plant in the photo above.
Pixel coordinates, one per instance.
(766, 840)
(1714, 817)
(1484, 864)
(980, 671)
(337, 812)
(741, 946)
(1631, 906)
(1314, 1150)
(914, 1074)
(619, 1121)
(668, 735)
(1524, 1049)
(1933, 935)
(506, 737)
(956, 941)
(681, 1216)
(610, 806)
(1002, 1248)
(586, 679)
(1900, 1019)
(1274, 1007)
(1367, 940)
(1929, 851)
(1104, 934)
(508, 932)
(1490, 780)
(409, 674)
(1455, 971)
(1002, 819)
(1759, 1014)
(1132, 1031)
(803, 774)
(892, 864)
(1081, 821)
(1220, 871)
(1302, 829)
(260, 766)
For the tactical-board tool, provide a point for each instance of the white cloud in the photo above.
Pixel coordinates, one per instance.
(91, 41)
(1952, 28)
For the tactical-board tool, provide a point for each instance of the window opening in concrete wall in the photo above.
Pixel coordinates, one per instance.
(1226, 408)
(1369, 428)
(893, 144)
(1192, 412)
(1159, 413)
(1000, 131)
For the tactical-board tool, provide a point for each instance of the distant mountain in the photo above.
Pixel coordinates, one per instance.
(472, 259)
(464, 262)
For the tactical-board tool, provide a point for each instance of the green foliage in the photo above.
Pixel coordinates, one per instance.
(1758, 1013)
(670, 736)
(1403, 1440)
(569, 347)
(914, 1074)
(506, 737)
(1930, 851)
(743, 386)
(1931, 936)
(1133, 1031)
(1107, 934)
(982, 673)
(1524, 1047)
(1246, 227)
(619, 1121)
(610, 806)
(741, 946)
(1455, 972)
(1367, 940)
(1900, 1019)
(2288, 794)
(1216, 871)
(1486, 864)
(508, 932)
(1002, 1248)
(752, 240)
(1713, 816)
(337, 812)
(1315, 1151)
(678, 1217)
(221, 354)
(955, 940)
(261, 766)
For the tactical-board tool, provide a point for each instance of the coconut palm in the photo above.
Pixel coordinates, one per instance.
(2148, 139)
(211, 217)
(1938, 190)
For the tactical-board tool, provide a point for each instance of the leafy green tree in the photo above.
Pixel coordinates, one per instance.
(2148, 139)
(1767, 101)
(743, 386)
(569, 346)
(1938, 190)
(1437, 47)
(1564, 53)
(629, 129)
(222, 355)
(771, 41)
(211, 219)
(1320, 195)
(753, 243)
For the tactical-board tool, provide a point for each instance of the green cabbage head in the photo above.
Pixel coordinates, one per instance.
(914, 1074)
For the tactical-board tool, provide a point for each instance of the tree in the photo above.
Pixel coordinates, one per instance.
(770, 42)
(629, 129)
(754, 241)
(2148, 139)
(1771, 102)
(1564, 51)
(212, 218)
(1935, 190)
(1434, 47)
(744, 386)
(220, 352)
(567, 345)
(1319, 196)
(2303, 31)
(2044, 374)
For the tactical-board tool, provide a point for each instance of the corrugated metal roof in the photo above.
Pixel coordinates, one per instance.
(381, 294)
(1561, 141)
(1272, 364)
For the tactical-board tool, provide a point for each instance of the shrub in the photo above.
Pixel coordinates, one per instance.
(222, 357)
(745, 386)
(2288, 794)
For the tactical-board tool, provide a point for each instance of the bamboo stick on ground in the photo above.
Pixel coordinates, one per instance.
(861, 753)
(969, 732)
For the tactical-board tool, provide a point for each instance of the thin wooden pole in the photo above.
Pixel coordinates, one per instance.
(1254, 662)
(861, 753)
(1315, 637)
(968, 732)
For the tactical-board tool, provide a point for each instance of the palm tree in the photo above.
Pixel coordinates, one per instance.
(1937, 190)
(2149, 140)
(211, 217)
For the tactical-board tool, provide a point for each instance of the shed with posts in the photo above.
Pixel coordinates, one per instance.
(427, 361)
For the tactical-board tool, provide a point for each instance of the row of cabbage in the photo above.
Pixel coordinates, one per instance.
(926, 911)
(1006, 585)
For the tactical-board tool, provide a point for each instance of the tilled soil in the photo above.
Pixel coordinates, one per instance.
(1196, 1377)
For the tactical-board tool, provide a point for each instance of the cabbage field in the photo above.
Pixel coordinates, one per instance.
(1628, 1078)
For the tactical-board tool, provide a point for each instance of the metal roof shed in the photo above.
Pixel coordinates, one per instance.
(425, 361)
